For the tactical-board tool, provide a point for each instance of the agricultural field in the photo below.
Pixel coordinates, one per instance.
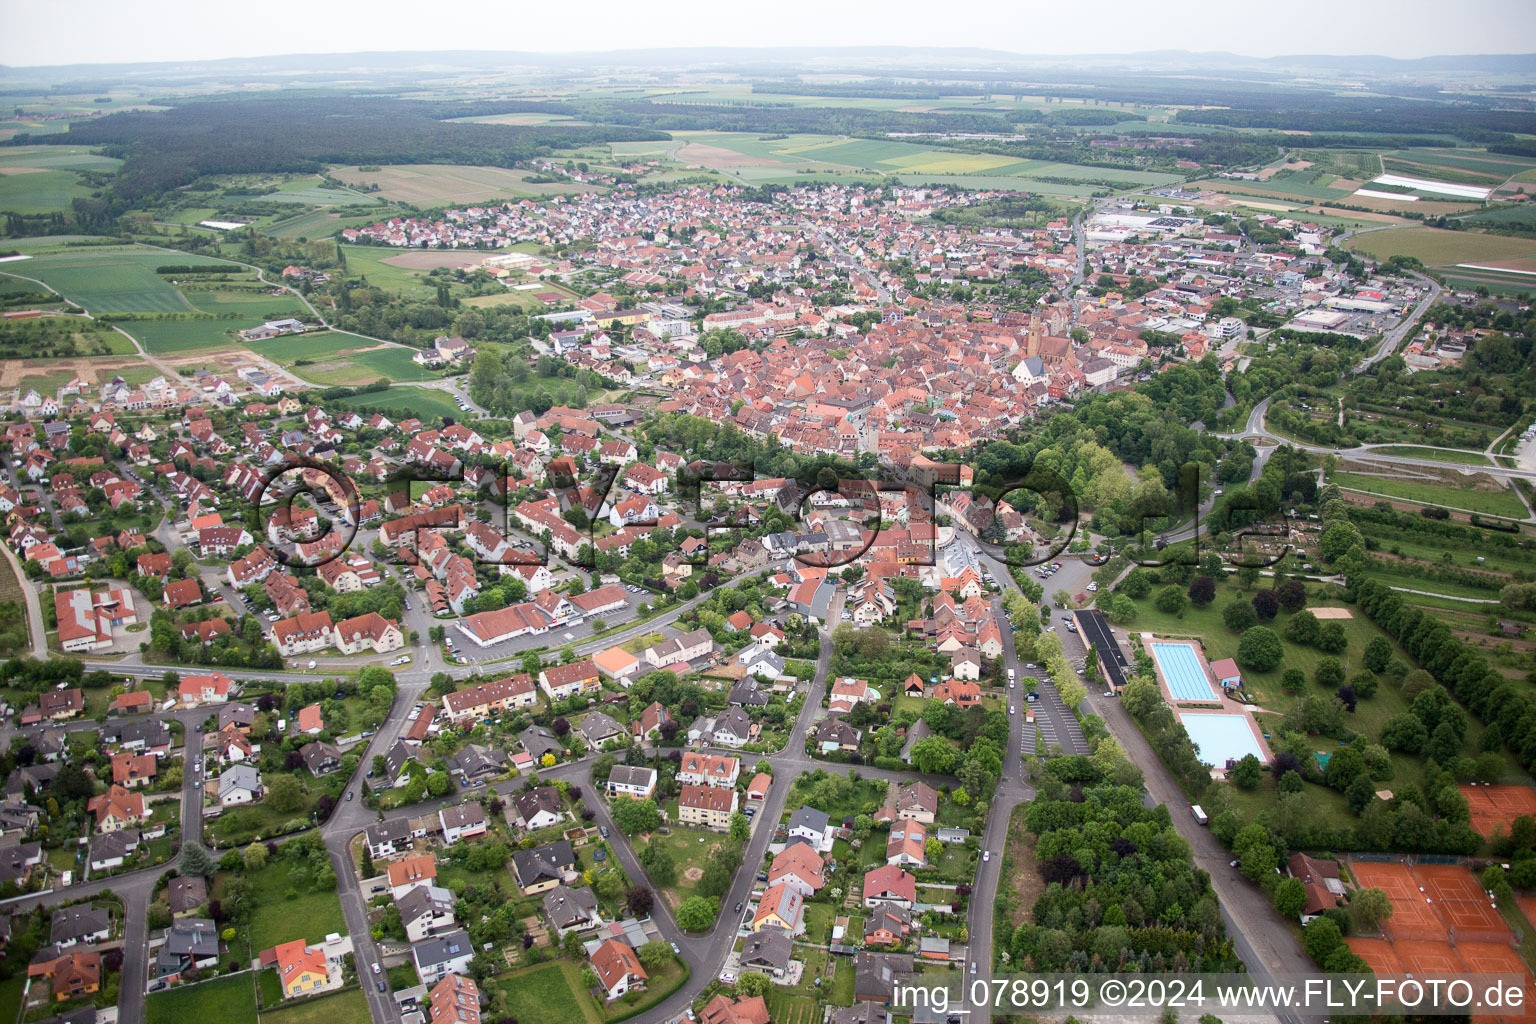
(42, 179)
(111, 278)
(1499, 501)
(1436, 247)
(313, 192)
(333, 358)
(758, 158)
(370, 261)
(254, 302)
(313, 224)
(172, 334)
(441, 184)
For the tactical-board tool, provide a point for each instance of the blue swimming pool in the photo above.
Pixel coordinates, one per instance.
(1222, 737)
(1186, 679)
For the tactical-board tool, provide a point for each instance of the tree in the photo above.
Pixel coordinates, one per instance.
(1291, 897)
(1329, 673)
(697, 913)
(639, 900)
(1248, 772)
(1265, 604)
(1332, 639)
(1373, 905)
(1239, 615)
(1405, 733)
(741, 828)
(1171, 601)
(285, 793)
(1378, 654)
(1260, 649)
(438, 784)
(1360, 792)
(652, 955)
(658, 864)
(752, 983)
(1303, 628)
(1202, 591)
(195, 861)
(255, 856)
(934, 756)
(1292, 595)
(1321, 938)
(635, 816)
(1293, 680)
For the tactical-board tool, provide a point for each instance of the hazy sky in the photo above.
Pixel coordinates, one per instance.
(80, 31)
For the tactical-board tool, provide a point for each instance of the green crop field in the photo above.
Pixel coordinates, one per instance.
(286, 349)
(111, 279)
(436, 184)
(423, 403)
(394, 363)
(177, 335)
(368, 261)
(315, 224)
(314, 194)
(248, 302)
(63, 158)
(40, 191)
(767, 159)
(1494, 503)
(1478, 160)
(1437, 247)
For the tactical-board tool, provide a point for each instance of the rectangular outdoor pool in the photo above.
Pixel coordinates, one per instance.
(1222, 737)
(1181, 668)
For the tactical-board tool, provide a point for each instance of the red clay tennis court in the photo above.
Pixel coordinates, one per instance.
(1497, 805)
(1419, 958)
(1462, 904)
(1378, 953)
(1498, 958)
(1412, 917)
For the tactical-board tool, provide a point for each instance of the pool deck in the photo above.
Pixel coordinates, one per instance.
(1219, 705)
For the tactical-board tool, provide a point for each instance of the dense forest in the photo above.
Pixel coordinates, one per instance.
(166, 149)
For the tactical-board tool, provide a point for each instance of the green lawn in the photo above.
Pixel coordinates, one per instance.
(346, 1007)
(1409, 451)
(10, 996)
(659, 984)
(551, 993)
(229, 1000)
(1496, 503)
(280, 918)
(688, 853)
(423, 403)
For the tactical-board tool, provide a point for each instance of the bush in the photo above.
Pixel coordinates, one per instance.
(1260, 649)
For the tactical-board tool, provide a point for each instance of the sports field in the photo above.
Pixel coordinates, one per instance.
(434, 184)
(1497, 805)
(1412, 917)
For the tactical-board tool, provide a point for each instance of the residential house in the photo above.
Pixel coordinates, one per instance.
(617, 968)
(783, 907)
(709, 806)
